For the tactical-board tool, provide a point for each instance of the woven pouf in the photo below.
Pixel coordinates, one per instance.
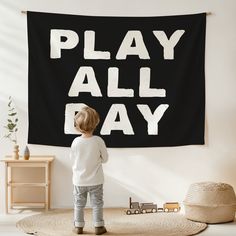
(210, 202)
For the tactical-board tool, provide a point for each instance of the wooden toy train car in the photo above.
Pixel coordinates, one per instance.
(138, 208)
(171, 206)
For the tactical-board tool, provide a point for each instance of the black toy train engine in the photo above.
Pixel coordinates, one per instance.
(136, 208)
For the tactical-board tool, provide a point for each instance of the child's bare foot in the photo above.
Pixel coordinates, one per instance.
(78, 230)
(100, 230)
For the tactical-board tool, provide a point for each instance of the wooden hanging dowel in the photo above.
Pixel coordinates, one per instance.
(25, 12)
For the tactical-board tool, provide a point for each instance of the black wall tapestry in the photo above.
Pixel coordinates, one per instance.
(144, 76)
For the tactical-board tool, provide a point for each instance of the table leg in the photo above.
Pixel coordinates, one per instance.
(11, 188)
(47, 186)
(6, 188)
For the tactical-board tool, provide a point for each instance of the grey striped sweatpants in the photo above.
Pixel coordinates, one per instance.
(80, 199)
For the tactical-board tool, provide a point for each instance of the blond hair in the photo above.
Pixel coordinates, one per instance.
(86, 120)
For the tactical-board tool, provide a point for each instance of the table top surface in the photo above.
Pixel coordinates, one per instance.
(40, 158)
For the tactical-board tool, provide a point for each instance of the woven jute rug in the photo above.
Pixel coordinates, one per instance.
(60, 223)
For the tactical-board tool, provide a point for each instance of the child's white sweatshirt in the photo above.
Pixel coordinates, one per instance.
(88, 154)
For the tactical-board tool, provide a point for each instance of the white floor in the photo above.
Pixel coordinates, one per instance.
(8, 228)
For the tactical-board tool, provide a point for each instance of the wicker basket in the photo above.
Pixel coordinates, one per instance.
(210, 202)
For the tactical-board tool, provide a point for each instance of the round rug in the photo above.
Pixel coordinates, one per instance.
(60, 223)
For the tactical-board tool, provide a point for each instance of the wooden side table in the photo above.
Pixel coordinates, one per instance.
(11, 183)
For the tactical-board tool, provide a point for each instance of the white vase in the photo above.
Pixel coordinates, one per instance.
(16, 152)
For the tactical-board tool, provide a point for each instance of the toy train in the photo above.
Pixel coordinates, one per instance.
(141, 208)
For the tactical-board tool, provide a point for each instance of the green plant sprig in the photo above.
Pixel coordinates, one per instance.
(12, 122)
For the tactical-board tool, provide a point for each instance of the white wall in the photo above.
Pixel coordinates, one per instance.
(146, 174)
